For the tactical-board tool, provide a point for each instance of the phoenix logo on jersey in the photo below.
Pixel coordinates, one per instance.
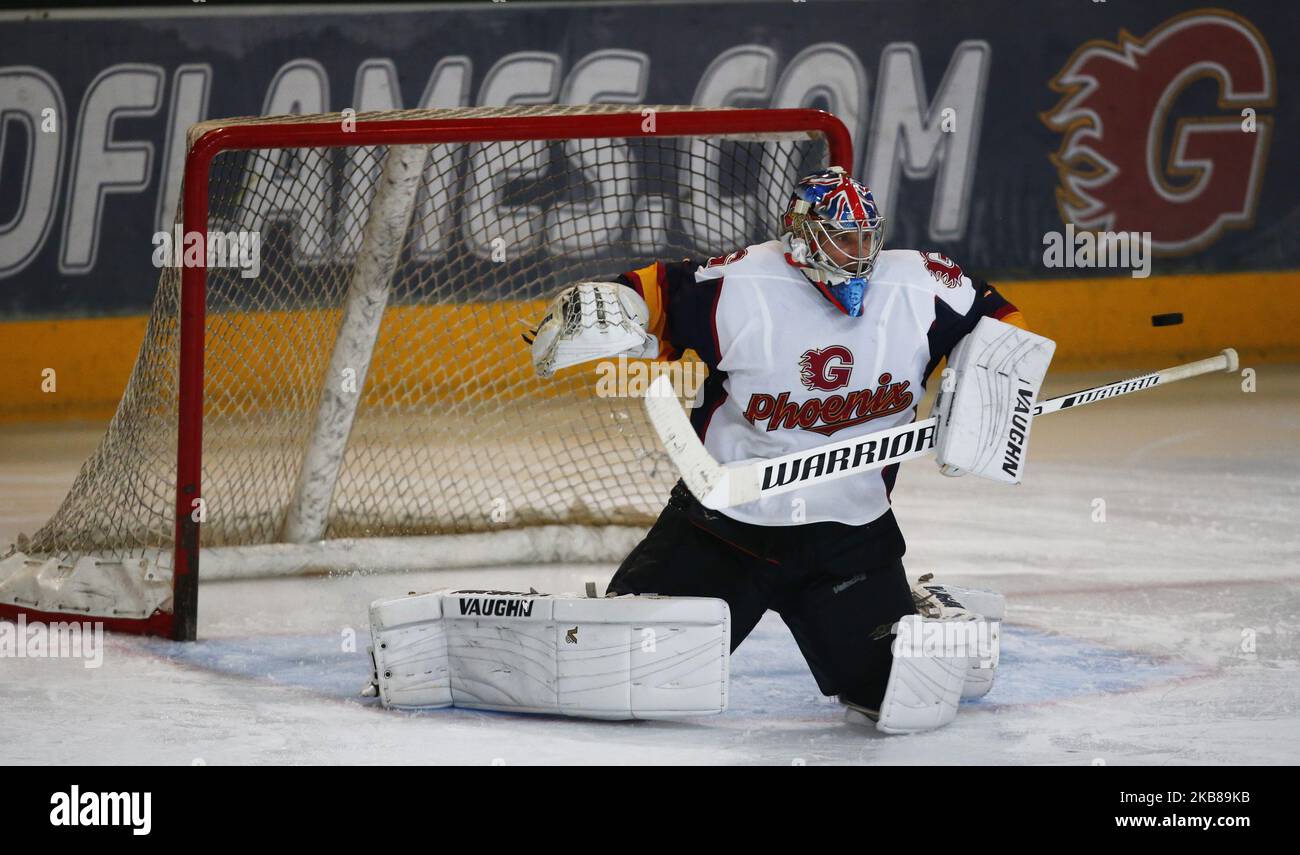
(833, 412)
(826, 369)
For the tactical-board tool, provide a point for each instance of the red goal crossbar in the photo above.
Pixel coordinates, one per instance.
(425, 128)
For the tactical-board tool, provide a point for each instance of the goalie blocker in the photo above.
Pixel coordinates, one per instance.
(985, 404)
(633, 657)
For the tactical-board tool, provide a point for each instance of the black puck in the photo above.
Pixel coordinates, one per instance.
(1168, 319)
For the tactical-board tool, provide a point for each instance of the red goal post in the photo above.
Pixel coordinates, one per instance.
(207, 141)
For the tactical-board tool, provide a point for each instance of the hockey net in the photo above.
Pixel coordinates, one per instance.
(365, 400)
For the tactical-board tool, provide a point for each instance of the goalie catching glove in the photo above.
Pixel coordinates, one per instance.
(985, 407)
(591, 320)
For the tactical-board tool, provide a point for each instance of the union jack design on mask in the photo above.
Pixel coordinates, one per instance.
(835, 232)
(837, 198)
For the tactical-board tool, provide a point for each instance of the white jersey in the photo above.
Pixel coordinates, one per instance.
(789, 371)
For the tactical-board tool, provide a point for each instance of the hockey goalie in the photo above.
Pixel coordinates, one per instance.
(818, 333)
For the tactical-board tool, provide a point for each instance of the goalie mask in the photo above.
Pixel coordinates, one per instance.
(833, 233)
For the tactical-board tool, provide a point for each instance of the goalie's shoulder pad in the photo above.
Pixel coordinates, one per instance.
(759, 259)
(929, 271)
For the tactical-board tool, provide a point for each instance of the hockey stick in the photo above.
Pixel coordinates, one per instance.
(719, 485)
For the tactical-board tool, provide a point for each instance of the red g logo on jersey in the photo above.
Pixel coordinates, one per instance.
(1130, 160)
(826, 369)
(943, 268)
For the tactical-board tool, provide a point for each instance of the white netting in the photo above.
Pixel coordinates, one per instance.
(454, 432)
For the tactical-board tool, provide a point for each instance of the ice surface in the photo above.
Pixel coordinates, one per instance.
(1168, 633)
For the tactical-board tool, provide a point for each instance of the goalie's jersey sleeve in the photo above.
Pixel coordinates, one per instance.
(681, 309)
(788, 371)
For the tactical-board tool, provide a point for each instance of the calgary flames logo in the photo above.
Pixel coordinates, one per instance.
(818, 372)
(943, 268)
(1123, 168)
